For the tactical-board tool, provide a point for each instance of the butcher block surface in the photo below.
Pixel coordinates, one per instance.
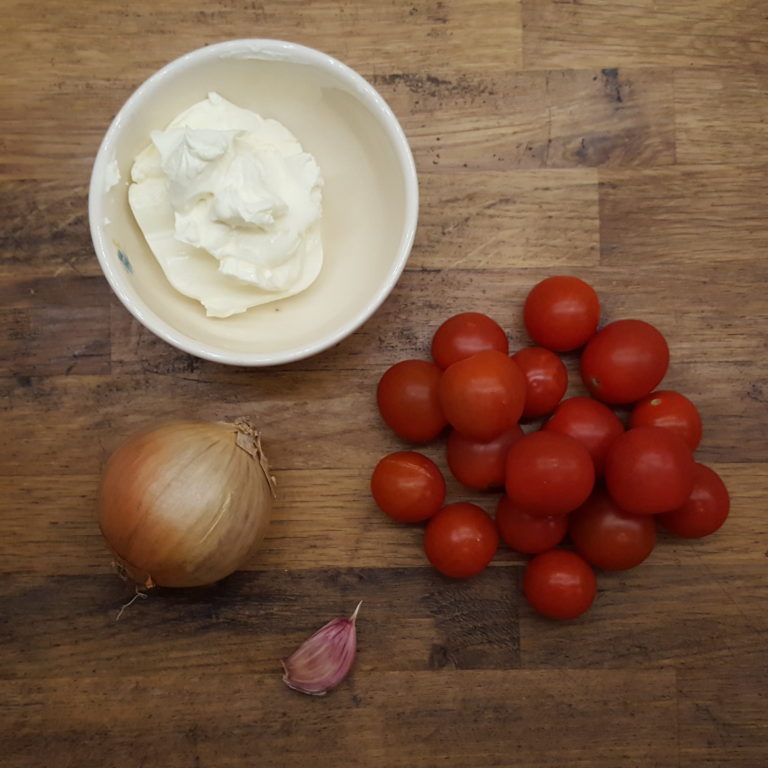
(622, 142)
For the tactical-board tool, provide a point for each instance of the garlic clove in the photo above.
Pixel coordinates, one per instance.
(324, 660)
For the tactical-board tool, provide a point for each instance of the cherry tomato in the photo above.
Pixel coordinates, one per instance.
(408, 486)
(546, 380)
(670, 410)
(460, 540)
(467, 334)
(529, 534)
(561, 313)
(560, 584)
(624, 361)
(590, 422)
(483, 395)
(608, 537)
(408, 401)
(549, 473)
(649, 470)
(705, 510)
(479, 464)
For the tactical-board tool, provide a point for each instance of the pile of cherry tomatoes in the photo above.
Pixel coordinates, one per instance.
(582, 475)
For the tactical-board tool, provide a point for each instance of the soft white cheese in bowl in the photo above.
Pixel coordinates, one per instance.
(253, 202)
(230, 205)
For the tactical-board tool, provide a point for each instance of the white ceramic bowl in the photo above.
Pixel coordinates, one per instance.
(370, 199)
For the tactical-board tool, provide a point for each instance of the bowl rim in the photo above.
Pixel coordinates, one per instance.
(257, 48)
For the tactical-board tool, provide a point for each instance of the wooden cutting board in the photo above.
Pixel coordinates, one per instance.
(624, 142)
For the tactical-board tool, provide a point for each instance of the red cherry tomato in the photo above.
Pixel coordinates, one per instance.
(408, 486)
(649, 470)
(483, 395)
(549, 473)
(529, 534)
(408, 401)
(590, 422)
(467, 334)
(560, 584)
(608, 537)
(705, 510)
(460, 540)
(478, 464)
(546, 380)
(561, 313)
(624, 361)
(670, 410)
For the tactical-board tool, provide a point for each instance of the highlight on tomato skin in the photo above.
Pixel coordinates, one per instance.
(526, 533)
(590, 422)
(706, 509)
(561, 313)
(649, 470)
(546, 380)
(480, 464)
(549, 473)
(460, 540)
(408, 486)
(559, 584)
(624, 361)
(482, 395)
(408, 401)
(670, 410)
(609, 538)
(464, 335)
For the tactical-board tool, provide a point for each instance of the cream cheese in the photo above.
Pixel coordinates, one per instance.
(230, 205)
(111, 175)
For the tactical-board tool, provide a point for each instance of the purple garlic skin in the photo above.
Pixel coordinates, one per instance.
(321, 662)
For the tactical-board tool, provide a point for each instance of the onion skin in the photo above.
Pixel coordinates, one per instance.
(185, 503)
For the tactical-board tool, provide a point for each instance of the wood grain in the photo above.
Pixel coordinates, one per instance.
(536, 119)
(625, 142)
(516, 718)
(700, 33)
(721, 115)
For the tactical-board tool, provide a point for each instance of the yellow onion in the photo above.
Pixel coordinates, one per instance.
(185, 503)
